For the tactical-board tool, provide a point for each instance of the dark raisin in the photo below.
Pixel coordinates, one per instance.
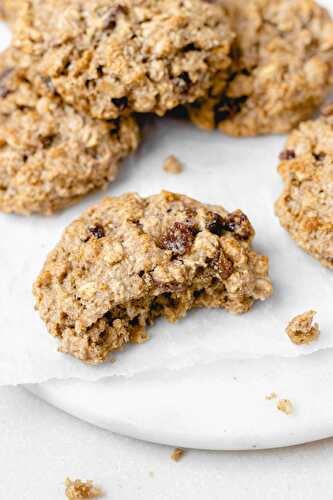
(235, 222)
(216, 224)
(47, 141)
(97, 230)
(179, 238)
(134, 321)
(287, 154)
(120, 102)
(173, 302)
(110, 19)
(319, 156)
(228, 107)
(114, 126)
(108, 317)
(184, 81)
(189, 47)
(155, 306)
(239, 224)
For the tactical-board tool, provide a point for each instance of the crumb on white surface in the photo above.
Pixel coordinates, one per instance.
(177, 454)
(78, 490)
(271, 396)
(172, 165)
(302, 330)
(286, 406)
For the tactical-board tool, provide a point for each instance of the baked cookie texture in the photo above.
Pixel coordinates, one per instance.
(79, 490)
(305, 207)
(129, 260)
(109, 58)
(50, 154)
(9, 10)
(302, 329)
(281, 69)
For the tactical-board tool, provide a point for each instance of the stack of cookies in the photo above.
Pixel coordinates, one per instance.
(73, 83)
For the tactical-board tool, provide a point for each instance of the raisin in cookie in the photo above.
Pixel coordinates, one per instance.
(110, 57)
(51, 155)
(305, 208)
(282, 68)
(129, 260)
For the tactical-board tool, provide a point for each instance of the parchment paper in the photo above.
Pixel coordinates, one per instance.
(233, 172)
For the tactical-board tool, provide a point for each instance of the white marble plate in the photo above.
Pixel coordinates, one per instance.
(217, 407)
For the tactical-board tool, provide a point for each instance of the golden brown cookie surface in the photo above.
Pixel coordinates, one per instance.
(51, 155)
(109, 58)
(129, 260)
(305, 208)
(281, 71)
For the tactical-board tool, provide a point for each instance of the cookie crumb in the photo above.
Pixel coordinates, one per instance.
(177, 454)
(172, 165)
(301, 329)
(271, 396)
(286, 406)
(77, 489)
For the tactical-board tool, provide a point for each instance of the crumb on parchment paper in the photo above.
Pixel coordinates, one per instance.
(77, 489)
(302, 330)
(286, 406)
(172, 165)
(271, 396)
(177, 454)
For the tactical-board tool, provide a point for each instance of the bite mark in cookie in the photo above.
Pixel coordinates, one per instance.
(156, 256)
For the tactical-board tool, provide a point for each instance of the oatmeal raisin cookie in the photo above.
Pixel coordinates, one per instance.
(129, 260)
(305, 207)
(110, 58)
(50, 154)
(281, 71)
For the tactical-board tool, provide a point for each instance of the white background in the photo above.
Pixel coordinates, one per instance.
(40, 446)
